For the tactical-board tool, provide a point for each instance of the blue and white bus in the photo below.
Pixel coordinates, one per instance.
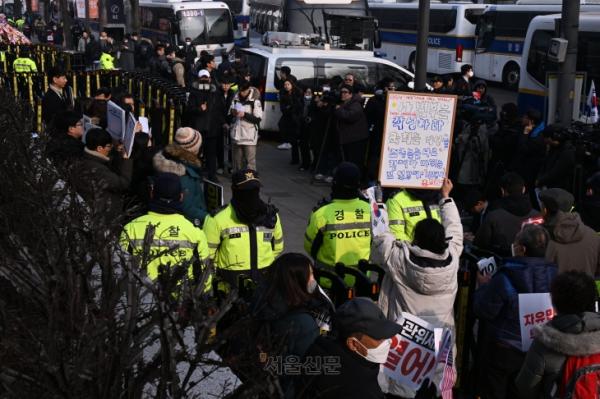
(451, 38)
(500, 36)
(241, 20)
(535, 63)
(207, 23)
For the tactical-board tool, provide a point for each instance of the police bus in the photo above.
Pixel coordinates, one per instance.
(324, 18)
(318, 69)
(240, 9)
(207, 23)
(500, 35)
(535, 62)
(451, 38)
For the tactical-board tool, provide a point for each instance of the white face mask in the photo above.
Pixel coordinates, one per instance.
(379, 354)
(470, 74)
(308, 97)
(312, 286)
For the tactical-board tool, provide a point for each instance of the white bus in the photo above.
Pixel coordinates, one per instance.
(241, 20)
(500, 35)
(451, 38)
(535, 63)
(315, 69)
(327, 19)
(207, 23)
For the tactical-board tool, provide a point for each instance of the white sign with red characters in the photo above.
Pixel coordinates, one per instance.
(534, 310)
(412, 357)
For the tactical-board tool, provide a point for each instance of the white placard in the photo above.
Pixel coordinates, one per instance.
(487, 266)
(80, 5)
(145, 125)
(115, 120)
(417, 140)
(414, 352)
(534, 309)
(129, 135)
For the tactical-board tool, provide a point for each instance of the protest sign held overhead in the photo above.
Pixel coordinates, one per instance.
(115, 120)
(417, 140)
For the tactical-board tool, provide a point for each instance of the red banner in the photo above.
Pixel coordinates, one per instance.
(94, 14)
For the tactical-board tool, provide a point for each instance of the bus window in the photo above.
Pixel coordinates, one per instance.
(537, 61)
(485, 30)
(513, 24)
(192, 24)
(588, 55)
(365, 74)
(303, 70)
(256, 65)
(218, 24)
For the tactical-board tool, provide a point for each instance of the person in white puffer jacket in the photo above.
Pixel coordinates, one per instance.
(421, 277)
(247, 113)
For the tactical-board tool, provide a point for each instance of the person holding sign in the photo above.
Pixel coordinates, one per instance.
(496, 304)
(567, 344)
(349, 363)
(421, 275)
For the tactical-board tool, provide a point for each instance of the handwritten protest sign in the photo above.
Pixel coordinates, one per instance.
(414, 352)
(487, 266)
(129, 135)
(534, 309)
(417, 140)
(213, 195)
(115, 120)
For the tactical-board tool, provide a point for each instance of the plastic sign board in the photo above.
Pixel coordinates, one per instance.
(534, 310)
(115, 120)
(129, 136)
(417, 140)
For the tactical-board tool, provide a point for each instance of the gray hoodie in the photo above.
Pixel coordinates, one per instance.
(573, 245)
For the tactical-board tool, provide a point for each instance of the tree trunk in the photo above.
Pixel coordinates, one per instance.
(67, 22)
(135, 15)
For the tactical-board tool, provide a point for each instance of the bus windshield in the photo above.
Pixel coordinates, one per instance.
(208, 26)
(485, 31)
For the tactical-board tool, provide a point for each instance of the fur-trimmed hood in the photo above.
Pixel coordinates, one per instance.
(174, 159)
(572, 335)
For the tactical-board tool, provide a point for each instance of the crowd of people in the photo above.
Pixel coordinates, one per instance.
(513, 178)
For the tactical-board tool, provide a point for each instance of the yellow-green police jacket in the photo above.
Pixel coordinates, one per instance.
(22, 65)
(107, 62)
(405, 211)
(238, 247)
(172, 233)
(339, 231)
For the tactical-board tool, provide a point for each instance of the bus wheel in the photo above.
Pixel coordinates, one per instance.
(412, 62)
(511, 75)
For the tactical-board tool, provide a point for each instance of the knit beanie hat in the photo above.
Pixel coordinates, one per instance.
(188, 139)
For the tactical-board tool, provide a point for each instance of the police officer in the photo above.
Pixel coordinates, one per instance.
(107, 61)
(245, 236)
(24, 64)
(339, 230)
(173, 236)
(408, 207)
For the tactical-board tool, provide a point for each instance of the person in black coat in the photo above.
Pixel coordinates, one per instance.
(218, 126)
(463, 87)
(295, 308)
(58, 98)
(375, 112)
(558, 167)
(360, 344)
(590, 212)
(65, 145)
(351, 125)
(290, 103)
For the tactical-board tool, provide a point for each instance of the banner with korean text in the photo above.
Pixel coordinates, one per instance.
(417, 140)
(534, 309)
(416, 351)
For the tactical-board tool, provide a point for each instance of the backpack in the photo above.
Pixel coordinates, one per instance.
(580, 377)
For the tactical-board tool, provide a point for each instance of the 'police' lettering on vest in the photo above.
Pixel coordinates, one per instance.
(349, 234)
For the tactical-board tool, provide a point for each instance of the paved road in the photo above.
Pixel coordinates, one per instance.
(291, 190)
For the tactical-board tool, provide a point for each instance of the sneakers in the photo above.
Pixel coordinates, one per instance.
(319, 177)
(220, 171)
(284, 146)
(329, 179)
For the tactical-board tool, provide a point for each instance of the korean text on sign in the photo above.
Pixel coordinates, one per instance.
(412, 355)
(534, 310)
(417, 140)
